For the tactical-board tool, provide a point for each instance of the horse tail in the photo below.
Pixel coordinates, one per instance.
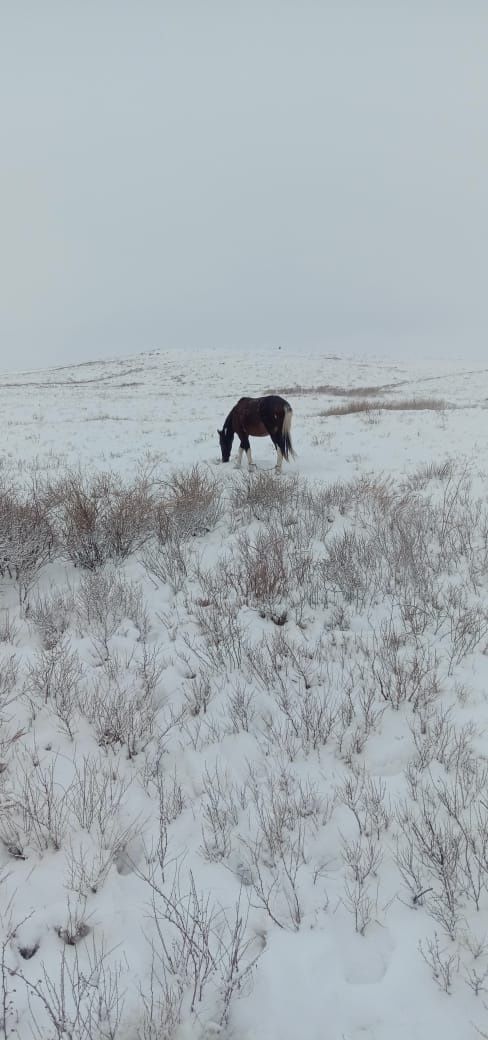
(287, 446)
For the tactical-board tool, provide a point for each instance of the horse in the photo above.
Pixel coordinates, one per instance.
(258, 417)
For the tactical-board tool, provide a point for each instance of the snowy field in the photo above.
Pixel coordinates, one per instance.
(243, 718)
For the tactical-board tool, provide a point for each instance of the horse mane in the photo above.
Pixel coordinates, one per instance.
(227, 427)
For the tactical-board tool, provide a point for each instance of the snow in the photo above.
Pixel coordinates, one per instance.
(310, 973)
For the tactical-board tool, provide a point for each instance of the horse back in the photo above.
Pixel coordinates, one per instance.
(260, 416)
(248, 418)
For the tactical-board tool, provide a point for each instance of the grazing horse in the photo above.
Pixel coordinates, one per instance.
(258, 417)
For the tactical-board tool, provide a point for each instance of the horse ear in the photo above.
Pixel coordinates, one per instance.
(219, 432)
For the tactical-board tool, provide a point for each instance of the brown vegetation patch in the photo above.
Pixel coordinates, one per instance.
(337, 391)
(413, 404)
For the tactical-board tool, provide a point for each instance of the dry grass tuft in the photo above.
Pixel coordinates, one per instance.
(412, 404)
(336, 391)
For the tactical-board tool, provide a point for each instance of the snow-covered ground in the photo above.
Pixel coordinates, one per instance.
(167, 405)
(288, 838)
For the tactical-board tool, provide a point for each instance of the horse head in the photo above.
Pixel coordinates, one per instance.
(226, 437)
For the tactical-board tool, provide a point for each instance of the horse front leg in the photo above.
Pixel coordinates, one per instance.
(247, 448)
(239, 457)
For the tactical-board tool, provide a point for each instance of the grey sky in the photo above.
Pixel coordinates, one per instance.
(234, 174)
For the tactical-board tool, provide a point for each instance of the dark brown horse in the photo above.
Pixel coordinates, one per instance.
(258, 417)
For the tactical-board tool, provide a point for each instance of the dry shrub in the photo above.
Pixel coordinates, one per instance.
(38, 814)
(55, 675)
(169, 562)
(271, 570)
(9, 629)
(26, 540)
(352, 568)
(192, 507)
(221, 628)
(403, 672)
(262, 493)
(97, 797)
(52, 613)
(105, 599)
(120, 712)
(129, 520)
(428, 472)
(365, 498)
(275, 572)
(9, 674)
(102, 517)
(374, 493)
(81, 996)
(417, 404)
(262, 571)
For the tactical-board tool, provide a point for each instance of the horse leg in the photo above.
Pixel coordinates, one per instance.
(239, 456)
(277, 441)
(247, 448)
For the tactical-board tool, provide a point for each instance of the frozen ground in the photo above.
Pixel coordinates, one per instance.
(304, 785)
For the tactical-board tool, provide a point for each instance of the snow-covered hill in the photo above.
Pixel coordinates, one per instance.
(244, 765)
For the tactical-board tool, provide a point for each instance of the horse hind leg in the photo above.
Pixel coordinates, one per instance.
(279, 445)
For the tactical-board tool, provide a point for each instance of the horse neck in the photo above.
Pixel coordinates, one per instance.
(229, 422)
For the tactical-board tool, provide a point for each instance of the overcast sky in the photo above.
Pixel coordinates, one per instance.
(194, 173)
